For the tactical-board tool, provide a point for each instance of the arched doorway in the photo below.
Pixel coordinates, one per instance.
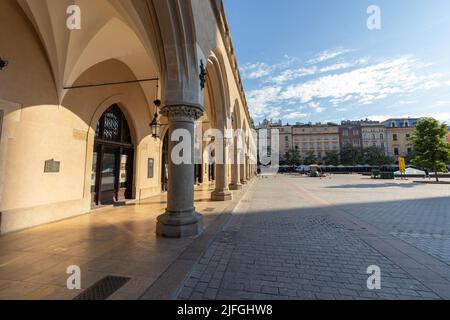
(112, 166)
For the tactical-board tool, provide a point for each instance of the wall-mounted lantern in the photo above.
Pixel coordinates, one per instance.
(202, 75)
(3, 63)
(156, 127)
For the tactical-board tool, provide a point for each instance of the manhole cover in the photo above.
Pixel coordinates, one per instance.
(103, 288)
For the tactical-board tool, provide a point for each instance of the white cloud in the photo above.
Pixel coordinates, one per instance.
(295, 115)
(336, 67)
(366, 84)
(316, 107)
(343, 65)
(408, 102)
(261, 100)
(345, 85)
(440, 116)
(292, 74)
(328, 55)
(256, 70)
(296, 73)
(441, 103)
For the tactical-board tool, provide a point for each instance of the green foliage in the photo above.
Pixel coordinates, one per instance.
(351, 156)
(431, 150)
(331, 158)
(310, 158)
(292, 158)
(376, 156)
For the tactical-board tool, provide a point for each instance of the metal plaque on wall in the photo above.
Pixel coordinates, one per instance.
(52, 166)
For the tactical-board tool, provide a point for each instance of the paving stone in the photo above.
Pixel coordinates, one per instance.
(185, 293)
(269, 290)
(288, 244)
(197, 296)
(211, 294)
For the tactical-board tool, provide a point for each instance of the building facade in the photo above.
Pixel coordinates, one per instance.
(318, 139)
(286, 140)
(374, 135)
(350, 133)
(264, 131)
(399, 136)
(76, 104)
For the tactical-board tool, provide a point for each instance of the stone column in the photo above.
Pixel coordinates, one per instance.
(235, 177)
(222, 191)
(243, 166)
(180, 219)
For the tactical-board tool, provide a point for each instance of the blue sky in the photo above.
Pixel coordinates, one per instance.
(315, 61)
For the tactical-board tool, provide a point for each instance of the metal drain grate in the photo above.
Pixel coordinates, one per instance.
(103, 289)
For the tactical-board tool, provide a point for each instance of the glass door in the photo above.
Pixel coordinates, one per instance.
(108, 185)
(125, 175)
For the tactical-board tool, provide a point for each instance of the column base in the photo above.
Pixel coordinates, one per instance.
(236, 186)
(171, 226)
(243, 182)
(221, 196)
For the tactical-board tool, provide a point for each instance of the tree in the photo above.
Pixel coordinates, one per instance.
(310, 158)
(331, 158)
(375, 156)
(351, 156)
(292, 158)
(431, 152)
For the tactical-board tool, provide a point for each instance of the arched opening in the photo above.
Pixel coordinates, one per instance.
(112, 165)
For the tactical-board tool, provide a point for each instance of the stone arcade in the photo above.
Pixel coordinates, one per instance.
(76, 97)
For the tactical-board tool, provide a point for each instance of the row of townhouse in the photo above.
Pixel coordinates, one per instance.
(393, 136)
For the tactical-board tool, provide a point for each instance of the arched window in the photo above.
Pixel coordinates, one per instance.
(113, 127)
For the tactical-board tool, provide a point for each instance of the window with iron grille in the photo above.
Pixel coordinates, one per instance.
(113, 127)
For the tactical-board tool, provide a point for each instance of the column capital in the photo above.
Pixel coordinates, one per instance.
(183, 111)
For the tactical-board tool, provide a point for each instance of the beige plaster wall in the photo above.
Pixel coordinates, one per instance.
(36, 128)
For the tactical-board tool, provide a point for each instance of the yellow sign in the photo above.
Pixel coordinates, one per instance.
(402, 164)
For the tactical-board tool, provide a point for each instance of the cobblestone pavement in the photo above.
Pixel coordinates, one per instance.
(415, 213)
(282, 242)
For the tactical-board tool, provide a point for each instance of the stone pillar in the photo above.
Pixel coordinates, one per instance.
(235, 177)
(243, 166)
(180, 219)
(222, 191)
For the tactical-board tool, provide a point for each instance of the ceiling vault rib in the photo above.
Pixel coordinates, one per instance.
(109, 83)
